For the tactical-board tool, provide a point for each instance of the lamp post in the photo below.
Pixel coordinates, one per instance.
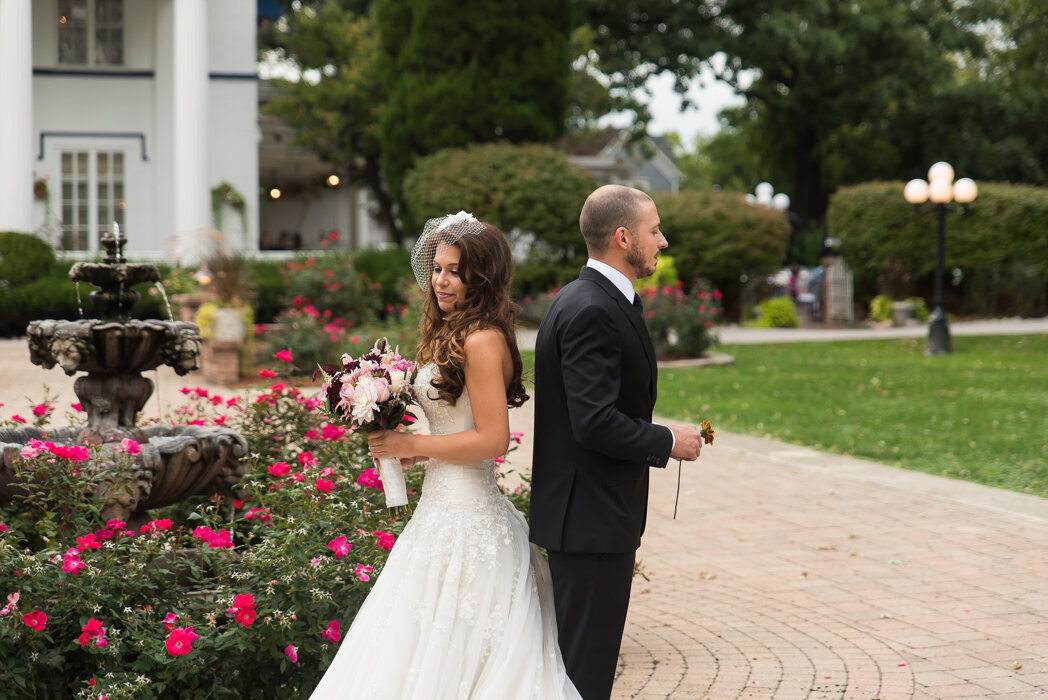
(764, 195)
(941, 190)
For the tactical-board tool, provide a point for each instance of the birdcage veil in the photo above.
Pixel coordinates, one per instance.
(443, 229)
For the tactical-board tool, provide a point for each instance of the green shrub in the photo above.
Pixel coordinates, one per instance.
(267, 280)
(23, 257)
(880, 308)
(665, 276)
(719, 238)
(390, 268)
(681, 324)
(778, 312)
(1000, 245)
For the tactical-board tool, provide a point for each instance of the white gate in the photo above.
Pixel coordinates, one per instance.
(839, 304)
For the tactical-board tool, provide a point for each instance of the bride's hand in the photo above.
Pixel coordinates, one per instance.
(390, 443)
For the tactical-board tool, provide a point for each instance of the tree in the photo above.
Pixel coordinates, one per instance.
(336, 117)
(827, 83)
(465, 72)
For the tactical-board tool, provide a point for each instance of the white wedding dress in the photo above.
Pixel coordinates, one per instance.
(463, 607)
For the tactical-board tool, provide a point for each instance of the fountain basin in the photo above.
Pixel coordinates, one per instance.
(175, 462)
(110, 347)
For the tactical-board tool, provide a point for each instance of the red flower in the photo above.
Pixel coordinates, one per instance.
(332, 632)
(42, 409)
(306, 459)
(77, 407)
(130, 446)
(17, 418)
(279, 469)
(180, 641)
(87, 542)
(332, 432)
(385, 539)
(284, 356)
(245, 616)
(93, 630)
(324, 485)
(36, 620)
(169, 621)
(267, 373)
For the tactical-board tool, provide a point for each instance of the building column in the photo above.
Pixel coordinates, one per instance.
(16, 116)
(192, 195)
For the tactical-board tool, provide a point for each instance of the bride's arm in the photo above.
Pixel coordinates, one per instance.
(486, 359)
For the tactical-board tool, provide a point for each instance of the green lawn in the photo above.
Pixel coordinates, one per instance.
(979, 414)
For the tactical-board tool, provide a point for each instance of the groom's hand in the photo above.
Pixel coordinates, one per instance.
(687, 444)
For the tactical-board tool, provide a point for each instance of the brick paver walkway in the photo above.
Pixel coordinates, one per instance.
(791, 573)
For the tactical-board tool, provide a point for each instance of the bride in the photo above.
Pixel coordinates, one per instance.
(463, 607)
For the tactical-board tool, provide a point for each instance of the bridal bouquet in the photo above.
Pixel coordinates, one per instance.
(373, 392)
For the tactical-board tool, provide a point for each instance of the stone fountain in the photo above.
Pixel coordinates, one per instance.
(175, 461)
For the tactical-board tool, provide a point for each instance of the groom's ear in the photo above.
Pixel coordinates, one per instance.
(622, 237)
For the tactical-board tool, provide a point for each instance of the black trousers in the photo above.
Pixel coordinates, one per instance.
(591, 593)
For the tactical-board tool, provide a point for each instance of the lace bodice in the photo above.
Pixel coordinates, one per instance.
(464, 484)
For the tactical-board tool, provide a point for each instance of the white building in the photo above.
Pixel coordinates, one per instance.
(130, 111)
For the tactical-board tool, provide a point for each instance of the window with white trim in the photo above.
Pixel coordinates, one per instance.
(91, 32)
(92, 197)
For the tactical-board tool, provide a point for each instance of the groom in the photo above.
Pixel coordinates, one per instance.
(595, 388)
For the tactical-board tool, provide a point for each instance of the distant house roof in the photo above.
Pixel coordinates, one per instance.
(612, 156)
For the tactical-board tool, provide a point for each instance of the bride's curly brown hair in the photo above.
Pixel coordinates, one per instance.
(486, 268)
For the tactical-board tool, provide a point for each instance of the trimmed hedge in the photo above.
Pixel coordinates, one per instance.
(23, 257)
(720, 238)
(1000, 245)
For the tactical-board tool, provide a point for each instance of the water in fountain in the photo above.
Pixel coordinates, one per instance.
(113, 349)
(167, 304)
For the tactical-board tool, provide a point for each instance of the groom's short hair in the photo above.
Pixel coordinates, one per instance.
(606, 209)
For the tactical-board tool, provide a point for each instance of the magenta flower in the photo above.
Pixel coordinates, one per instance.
(267, 373)
(71, 563)
(243, 608)
(306, 459)
(156, 525)
(340, 546)
(87, 542)
(369, 478)
(362, 572)
(220, 539)
(385, 539)
(180, 641)
(12, 601)
(332, 632)
(324, 485)
(279, 469)
(93, 630)
(130, 446)
(36, 620)
(169, 621)
(42, 409)
(332, 432)
(284, 356)
(292, 653)
(17, 418)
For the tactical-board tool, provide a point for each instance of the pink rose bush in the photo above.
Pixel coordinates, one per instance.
(205, 595)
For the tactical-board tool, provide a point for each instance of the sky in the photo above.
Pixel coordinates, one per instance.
(709, 94)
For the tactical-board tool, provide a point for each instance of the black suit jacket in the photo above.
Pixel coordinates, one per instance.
(595, 389)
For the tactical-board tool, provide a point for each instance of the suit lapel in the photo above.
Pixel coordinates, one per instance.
(635, 320)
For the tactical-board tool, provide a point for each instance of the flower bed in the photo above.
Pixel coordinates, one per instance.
(210, 598)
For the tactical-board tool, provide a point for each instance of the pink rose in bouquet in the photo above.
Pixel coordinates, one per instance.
(373, 392)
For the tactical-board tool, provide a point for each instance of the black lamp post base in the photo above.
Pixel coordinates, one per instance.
(939, 334)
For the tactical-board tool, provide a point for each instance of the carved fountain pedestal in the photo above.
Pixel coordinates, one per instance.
(175, 461)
